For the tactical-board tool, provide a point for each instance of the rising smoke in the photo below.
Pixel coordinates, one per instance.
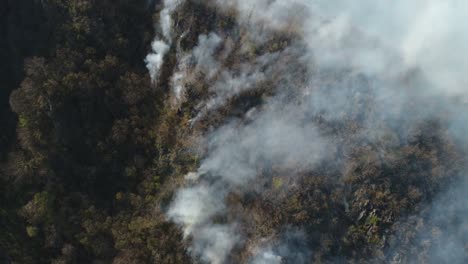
(161, 44)
(403, 62)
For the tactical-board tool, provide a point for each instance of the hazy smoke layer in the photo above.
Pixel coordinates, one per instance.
(407, 54)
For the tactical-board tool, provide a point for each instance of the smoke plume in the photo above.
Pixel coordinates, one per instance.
(161, 45)
(387, 66)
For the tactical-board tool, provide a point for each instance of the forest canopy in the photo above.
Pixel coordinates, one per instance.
(217, 131)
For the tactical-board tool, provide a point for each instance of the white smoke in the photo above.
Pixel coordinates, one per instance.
(291, 247)
(195, 206)
(214, 243)
(202, 59)
(445, 233)
(267, 256)
(154, 61)
(425, 34)
(207, 60)
(403, 53)
(237, 153)
(377, 37)
(203, 54)
(161, 46)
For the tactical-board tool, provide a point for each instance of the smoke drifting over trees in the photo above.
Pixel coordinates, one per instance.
(240, 131)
